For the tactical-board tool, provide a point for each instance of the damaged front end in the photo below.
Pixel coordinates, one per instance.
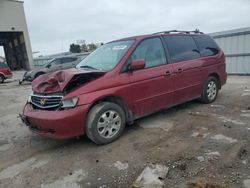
(51, 111)
(49, 89)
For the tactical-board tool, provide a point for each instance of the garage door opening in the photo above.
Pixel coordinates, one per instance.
(14, 49)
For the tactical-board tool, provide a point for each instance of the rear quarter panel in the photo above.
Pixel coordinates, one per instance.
(215, 65)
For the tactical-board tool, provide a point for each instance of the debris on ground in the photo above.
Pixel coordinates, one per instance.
(71, 181)
(201, 158)
(203, 114)
(201, 132)
(121, 166)
(152, 176)
(212, 155)
(220, 117)
(229, 120)
(223, 138)
(206, 185)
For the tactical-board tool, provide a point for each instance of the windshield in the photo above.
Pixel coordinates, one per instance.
(106, 57)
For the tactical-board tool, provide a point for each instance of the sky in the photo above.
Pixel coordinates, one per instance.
(53, 25)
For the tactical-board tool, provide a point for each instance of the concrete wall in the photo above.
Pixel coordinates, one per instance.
(12, 19)
(236, 46)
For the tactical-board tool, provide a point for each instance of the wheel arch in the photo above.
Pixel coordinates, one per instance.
(217, 76)
(2, 74)
(119, 101)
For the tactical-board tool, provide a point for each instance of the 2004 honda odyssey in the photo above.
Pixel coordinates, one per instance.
(122, 81)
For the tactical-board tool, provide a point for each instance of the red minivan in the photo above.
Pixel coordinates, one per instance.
(124, 80)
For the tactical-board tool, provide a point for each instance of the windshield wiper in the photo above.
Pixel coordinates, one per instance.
(89, 67)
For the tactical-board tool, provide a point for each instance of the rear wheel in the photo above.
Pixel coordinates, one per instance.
(210, 90)
(105, 123)
(1, 79)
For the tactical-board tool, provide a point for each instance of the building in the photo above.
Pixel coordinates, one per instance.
(2, 59)
(236, 46)
(14, 35)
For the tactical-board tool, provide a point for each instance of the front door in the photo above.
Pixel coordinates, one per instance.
(151, 88)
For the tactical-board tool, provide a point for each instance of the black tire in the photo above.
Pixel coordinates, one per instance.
(1, 79)
(95, 116)
(38, 74)
(210, 96)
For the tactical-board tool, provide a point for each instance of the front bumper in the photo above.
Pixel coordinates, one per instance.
(56, 124)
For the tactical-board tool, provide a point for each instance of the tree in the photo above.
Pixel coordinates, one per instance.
(84, 48)
(75, 48)
(92, 47)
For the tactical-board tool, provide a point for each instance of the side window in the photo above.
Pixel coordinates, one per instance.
(206, 45)
(68, 59)
(151, 50)
(56, 62)
(181, 48)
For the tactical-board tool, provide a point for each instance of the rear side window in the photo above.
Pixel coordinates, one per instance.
(181, 48)
(206, 45)
(3, 65)
(151, 50)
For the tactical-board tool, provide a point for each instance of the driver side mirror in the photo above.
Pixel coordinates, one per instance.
(137, 64)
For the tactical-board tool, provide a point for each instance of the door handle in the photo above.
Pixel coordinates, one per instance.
(167, 73)
(179, 70)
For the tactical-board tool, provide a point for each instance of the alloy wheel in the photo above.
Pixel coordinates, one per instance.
(109, 124)
(211, 90)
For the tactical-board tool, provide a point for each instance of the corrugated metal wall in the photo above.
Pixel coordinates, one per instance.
(236, 46)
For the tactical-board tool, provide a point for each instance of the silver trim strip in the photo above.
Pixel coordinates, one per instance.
(47, 96)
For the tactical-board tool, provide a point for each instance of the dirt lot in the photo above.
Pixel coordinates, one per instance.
(191, 145)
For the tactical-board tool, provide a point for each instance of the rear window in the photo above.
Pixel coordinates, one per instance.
(206, 45)
(3, 65)
(181, 48)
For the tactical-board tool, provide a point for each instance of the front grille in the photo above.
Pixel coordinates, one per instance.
(46, 102)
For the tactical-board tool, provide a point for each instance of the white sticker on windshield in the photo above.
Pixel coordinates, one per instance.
(122, 47)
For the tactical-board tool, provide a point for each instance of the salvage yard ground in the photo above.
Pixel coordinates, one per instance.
(191, 145)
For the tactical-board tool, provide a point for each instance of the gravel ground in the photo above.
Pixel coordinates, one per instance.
(192, 145)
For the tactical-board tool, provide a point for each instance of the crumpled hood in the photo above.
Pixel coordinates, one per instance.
(57, 81)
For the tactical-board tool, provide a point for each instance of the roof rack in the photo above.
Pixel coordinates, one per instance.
(196, 31)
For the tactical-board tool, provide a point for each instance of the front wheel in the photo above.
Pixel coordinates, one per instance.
(105, 123)
(210, 90)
